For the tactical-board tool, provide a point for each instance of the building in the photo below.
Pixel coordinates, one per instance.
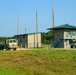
(64, 36)
(29, 40)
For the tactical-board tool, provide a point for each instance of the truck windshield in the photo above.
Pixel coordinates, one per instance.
(12, 41)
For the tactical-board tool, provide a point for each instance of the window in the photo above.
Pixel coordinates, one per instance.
(67, 34)
(17, 37)
(23, 36)
(12, 41)
(73, 33)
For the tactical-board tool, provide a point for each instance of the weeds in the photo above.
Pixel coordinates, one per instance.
(38, 62)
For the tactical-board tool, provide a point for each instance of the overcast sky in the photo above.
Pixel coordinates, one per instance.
(65, 12)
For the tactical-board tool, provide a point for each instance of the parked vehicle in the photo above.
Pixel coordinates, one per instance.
(73, 45)
(9, 44)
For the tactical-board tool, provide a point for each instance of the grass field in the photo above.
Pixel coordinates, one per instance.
(38, 62)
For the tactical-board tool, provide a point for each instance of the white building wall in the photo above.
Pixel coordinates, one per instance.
(32, 40)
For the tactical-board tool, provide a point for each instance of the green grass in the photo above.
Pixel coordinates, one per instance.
(38, 62)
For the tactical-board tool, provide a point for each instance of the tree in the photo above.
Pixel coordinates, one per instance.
(47, 37)
(2, 39)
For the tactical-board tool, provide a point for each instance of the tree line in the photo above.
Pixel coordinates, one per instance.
(2, 39)
(47, 37)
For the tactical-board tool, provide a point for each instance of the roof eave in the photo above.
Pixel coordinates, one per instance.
(61, 28)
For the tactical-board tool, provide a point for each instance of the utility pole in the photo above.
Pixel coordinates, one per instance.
(18, 25)
(53, 20)
(53, 16)
(25, 31)
(37, 27)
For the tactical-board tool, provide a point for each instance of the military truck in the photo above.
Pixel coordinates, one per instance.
(73, 45)
(9, 44)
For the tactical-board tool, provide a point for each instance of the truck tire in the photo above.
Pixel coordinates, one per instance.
(14, 49)
(71, 46)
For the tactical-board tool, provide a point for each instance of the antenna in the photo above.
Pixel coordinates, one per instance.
(18, 25)
(53, 20)
(25, 31)
(36, 21)
(37, 27)
(53, 16)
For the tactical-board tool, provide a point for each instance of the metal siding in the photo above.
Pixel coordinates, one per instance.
(32, 40)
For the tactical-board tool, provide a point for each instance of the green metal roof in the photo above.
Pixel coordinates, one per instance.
(34, 33)
(64, 26)
(28, 34)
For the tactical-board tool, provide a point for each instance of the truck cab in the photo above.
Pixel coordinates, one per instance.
(11, 44)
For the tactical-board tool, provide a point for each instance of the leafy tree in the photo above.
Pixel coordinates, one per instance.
(2, 39)
(47, 37)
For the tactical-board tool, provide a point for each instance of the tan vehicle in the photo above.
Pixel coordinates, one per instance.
(11, 44)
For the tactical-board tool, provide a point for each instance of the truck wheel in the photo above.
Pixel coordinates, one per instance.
(14, 49)
(7, 48)
(71, 46)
